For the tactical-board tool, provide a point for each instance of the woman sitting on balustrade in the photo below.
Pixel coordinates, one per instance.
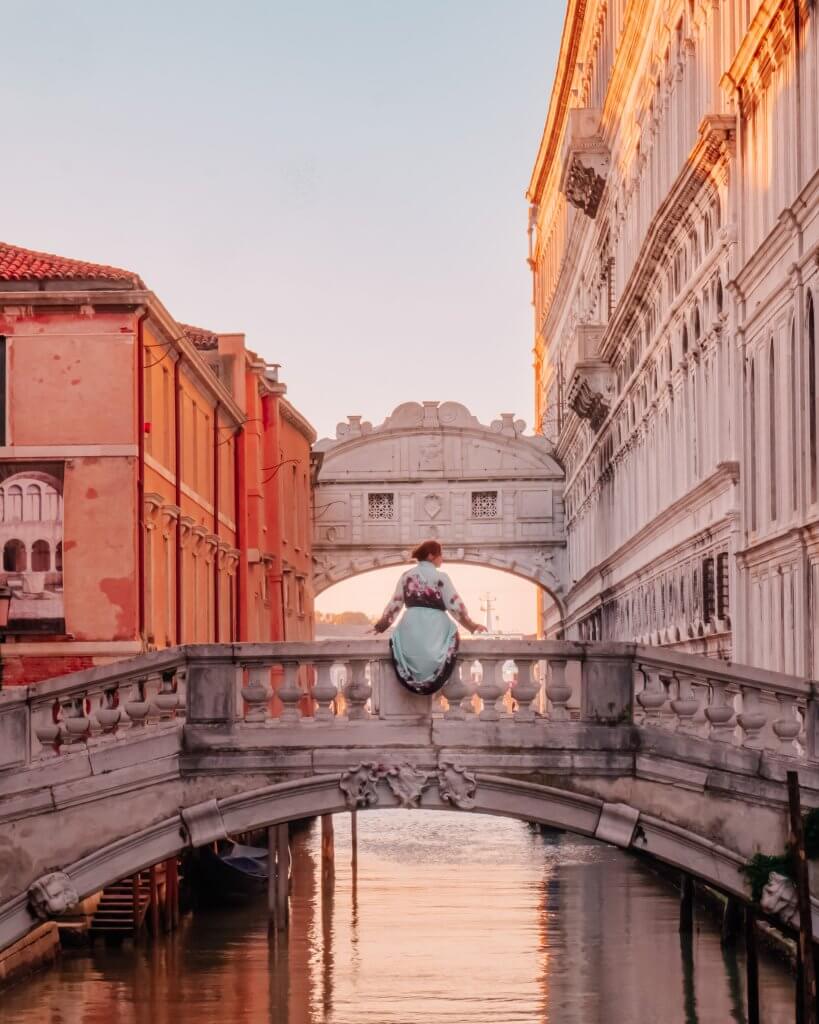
(425, 643)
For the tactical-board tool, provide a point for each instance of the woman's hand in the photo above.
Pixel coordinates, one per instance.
(478, 628)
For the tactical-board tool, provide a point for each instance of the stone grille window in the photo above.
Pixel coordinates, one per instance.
(381, 505)
(484, 504)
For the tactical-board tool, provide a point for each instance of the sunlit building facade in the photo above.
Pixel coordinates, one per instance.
(674, 245)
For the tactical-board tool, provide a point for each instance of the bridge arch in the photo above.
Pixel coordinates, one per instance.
(491, 494)
(371, 786)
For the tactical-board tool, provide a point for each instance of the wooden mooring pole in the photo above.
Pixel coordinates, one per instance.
(686, 905)
(282, 875)
(806, 972)
(751, 966)
(354, 840)
(328, 852)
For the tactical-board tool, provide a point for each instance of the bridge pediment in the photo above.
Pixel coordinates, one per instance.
(492, 494)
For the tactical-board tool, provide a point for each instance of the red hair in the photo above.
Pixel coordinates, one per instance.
(429, 549)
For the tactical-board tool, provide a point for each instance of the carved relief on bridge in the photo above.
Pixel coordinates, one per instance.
(491, 494)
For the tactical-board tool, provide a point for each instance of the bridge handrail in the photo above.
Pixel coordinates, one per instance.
(519, 683)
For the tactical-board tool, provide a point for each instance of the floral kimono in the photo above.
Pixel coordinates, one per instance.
(425, 642)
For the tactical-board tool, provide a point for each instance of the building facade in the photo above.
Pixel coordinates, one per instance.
(136, 452)
(674, 247)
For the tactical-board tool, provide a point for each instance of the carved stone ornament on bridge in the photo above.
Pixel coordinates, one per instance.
(779, 898)
(407, 784)
(457, 786)
(360, 785)
(52, 895)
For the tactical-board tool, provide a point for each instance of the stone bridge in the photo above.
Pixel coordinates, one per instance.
(492, 495)
(107, 771)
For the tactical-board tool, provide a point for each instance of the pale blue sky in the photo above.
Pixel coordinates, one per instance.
(342, 180)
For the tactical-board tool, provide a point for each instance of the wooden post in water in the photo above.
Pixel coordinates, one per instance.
(806, 988)
(136, 895)
(731, 922)
(155, 901)
(328, 852)
(354, 840)
(751, 966)
(282, 875)
(686, 905)
(272, 839)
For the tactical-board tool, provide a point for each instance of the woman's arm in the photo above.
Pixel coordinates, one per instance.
(394, 606)
(457, 609)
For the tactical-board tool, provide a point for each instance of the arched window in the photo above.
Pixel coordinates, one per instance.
(15, 502)
(812, 396)
(697, 325)
(41, 556)
(772, 430)
(34, 503)
(14, 556)
(719, 296)
(715, 206)
(752, 447)
(685, 341)
(58, 557)
(708, 233)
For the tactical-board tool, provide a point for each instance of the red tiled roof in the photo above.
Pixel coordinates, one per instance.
(201, 337)
(18, 264)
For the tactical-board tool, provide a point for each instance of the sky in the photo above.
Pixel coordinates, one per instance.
(341, 180)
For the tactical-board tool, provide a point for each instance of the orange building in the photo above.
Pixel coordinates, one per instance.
(144, 498)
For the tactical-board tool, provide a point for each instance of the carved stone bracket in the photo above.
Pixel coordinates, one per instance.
(203, 823)
(585, 161)
(457, 786)
(52, 895)
(617, 824)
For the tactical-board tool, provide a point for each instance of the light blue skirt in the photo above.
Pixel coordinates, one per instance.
(424, 647)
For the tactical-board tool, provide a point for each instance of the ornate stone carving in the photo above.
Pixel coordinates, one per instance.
(407, 784)
(360, 785)
(432, 505)
(52, 895)
(779, 897)
(585, 161)
(457, 786)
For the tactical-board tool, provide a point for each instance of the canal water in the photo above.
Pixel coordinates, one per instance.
(452, 919)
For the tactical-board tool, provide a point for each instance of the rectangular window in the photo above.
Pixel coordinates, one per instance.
(381, 505)
(300, 595)
(484, 504)
(709, 596)
(723, 607)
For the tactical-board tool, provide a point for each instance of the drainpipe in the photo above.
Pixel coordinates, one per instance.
(240, 511)
(177, 412)
(140, 375)
(216, 601)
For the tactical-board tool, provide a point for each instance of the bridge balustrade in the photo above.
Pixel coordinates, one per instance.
(301, 691)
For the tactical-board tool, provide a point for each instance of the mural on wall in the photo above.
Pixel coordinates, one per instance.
(31, 543)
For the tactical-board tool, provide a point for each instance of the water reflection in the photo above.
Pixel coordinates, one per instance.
(453, 918)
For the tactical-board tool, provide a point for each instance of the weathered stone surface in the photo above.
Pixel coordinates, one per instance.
(617, 824)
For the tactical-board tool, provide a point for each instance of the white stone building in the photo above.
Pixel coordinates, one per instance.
(674, 244)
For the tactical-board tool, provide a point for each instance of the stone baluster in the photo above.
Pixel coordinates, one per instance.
(720, 712)
(49, 731)
(181, 692)
(752, 719)
(109, 713)
(166, 699)
(685, 705)
(290, 693)
(357, 690)
(526, 690)
(76, 723)
(653, 696)
(787, 726)
(558, 691)
(256, 694)
(491, 689)
(325, 692)
(138, 707)
(459, 690)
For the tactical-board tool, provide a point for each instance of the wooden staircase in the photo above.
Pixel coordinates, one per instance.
(126, 905)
